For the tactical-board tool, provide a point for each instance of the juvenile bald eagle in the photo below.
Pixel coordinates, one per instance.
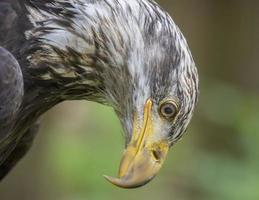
(126, 54)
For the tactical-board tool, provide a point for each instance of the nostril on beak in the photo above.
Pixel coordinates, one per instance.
(157, 155)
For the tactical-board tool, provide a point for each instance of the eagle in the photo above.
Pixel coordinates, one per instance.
(129, 55)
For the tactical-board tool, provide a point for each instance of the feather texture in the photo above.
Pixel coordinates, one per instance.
(115, 52)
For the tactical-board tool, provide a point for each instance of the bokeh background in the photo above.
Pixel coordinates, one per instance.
(218, 159)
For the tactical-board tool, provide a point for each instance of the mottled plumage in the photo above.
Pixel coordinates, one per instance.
(115, 52)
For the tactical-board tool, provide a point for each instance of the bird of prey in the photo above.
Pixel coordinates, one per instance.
(129, 55)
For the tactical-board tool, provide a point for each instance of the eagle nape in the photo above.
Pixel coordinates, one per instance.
(129, 55)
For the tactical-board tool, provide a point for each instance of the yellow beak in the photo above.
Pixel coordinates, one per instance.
(144, 155)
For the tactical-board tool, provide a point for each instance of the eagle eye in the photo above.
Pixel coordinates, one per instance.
(168, 109)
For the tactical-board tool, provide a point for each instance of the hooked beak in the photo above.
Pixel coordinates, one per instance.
(144, 155)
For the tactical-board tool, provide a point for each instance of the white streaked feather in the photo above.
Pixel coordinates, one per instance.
(128, 26)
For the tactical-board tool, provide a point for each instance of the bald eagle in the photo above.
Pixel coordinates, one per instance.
(129, 55)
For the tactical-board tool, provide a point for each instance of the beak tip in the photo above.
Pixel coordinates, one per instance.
(126, 184)
(115, 181)
(108, 178)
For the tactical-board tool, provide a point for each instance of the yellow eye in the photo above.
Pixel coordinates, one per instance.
(168, 109)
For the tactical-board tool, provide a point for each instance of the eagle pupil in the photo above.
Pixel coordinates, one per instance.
(168, 110)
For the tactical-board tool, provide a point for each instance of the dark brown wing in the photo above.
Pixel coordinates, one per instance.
(7, 18)
(13, 24)
(11, 90)
(19, 151)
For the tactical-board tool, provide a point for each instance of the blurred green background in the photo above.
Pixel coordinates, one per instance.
(218, 159)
